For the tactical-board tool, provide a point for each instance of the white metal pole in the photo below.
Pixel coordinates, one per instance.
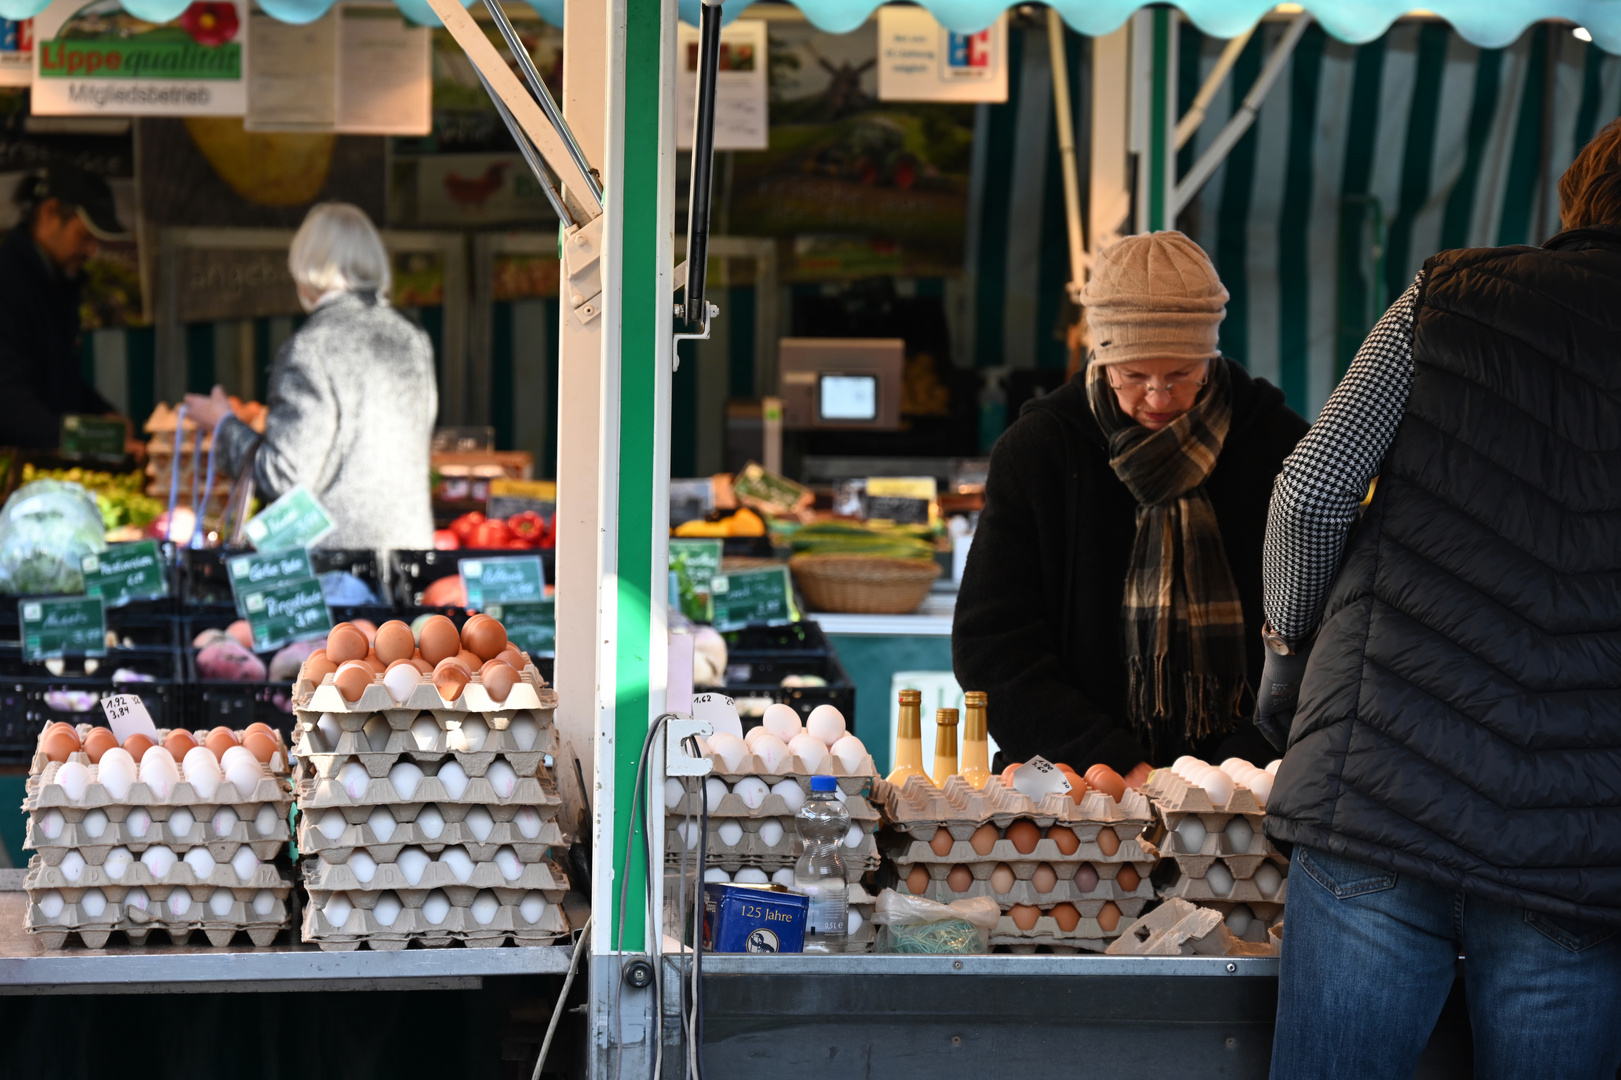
(1066, 149)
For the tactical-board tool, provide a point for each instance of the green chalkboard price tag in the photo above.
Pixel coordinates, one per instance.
(531, 627)
(286, 613)
(752, 596)
(514, 579)
(125, 572)
(58, 625)
(775, 493)
(296, 520)
(695, 562)
(257, 571)
(92, 437)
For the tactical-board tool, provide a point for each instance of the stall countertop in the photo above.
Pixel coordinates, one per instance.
(932, 619)
(871, 964)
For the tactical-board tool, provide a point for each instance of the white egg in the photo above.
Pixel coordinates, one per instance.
(201, 862)
(672, 793)
(1233, 766)
(503, 778)
(1268, 879)
(751, 875)
(1219, 878)
(236, 753)
(1271, 766)
(50, 824)
(116, 772)
(809, 750)
(158, 859)
(94, 902)
(460, 863)
(854, 921)
(94, 824)
(266, 820)
(853, 838)
(264, 902)
(363, 866)
(475, 733)
(715, 790)
(178, 903)
(1262, 788)
(220, 902)
(754, 733)
(730, 833)
(729, 749)
(330, 730)
(1187, 767)
(425, 732)
(772, 753)
(388, 908)
(1218, 785)
(51, 904)
(752, 790)
(244, 863)
(1191, 832)
(717, 875)
(791, 793)
(689, 831)
(244, 774)
(479, 823)
(485, 907)
(1238, 919)
(782, 721)
(771, 832)
(136, 898)
(354, 779)
(850, 752)
(436, 907)
(532, 907)
(523, 731)
(223, 821)
(403, 777)
(454, 778)
(430, 822)
(784, 877)
(337, 909)
(331, 824)
(528, 821)
(506, 860)
(118, 860)
(400, 680)
(1239, 834)
(413, 863)
(181, 823)
(381, 823)
(74, 780)
(826, 723)
(72, 865)
(138, 821)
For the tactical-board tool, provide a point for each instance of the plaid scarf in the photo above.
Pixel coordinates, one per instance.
(1182, 619)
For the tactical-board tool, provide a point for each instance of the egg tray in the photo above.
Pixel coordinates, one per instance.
(313, 842)
(1178, 928)
(1133, 849)
(458, 927)
(377, 763)
(137, 925)
(44, 793)
(673, 823)
(328, 877)
(752, 847)
(775, 806)
(1171, 842)
(95, 848)
(1242, 867)
(267, 875)
(395, 731)
(1244, 891)
(39, 762)
(1173, 795)
(221, 850)
(1088, 934)
(531, 693)
(861, 780)
(919, 808)
(1024, 892)
(854, 869)
(318, 794)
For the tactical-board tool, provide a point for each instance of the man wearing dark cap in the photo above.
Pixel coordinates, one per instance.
(64, 212)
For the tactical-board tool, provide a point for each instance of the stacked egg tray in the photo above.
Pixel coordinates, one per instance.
(940, 829)
(139, 863)
(1178, 928)
(1258, 870)
(428, 820)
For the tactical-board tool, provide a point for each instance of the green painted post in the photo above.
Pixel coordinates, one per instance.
(1159, 154)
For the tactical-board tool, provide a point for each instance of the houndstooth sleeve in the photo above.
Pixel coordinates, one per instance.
(1325, 479)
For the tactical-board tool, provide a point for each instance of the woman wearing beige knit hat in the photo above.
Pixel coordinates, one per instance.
(1111, 605)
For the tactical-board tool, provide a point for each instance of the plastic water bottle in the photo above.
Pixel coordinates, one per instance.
(819, 874)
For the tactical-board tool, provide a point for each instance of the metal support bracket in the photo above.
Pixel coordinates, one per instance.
(582, 265)
(677, 730)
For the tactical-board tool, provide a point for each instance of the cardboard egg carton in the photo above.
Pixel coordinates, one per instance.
(731, 862)
(312, 841)
(39, 762)
(315, 793)
(222, 850)
(460, 925)
(1132, 849)
(1244, 891)
(1024, 891)
(376, 732)
(320, 875)
(752, 849)
(75, 836)
(530, 692)
(40, 877)
(44, 793)
(732, 805)
(1088, 935)
(1174, 795)
(1178, 928)
(860, 780)
(137, 924)
(919, 808)
(400, 746)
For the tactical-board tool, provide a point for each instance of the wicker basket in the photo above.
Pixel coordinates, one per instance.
(863, 585)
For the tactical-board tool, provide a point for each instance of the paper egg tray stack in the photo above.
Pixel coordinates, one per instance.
(73, 888)
(427, 820)
(918, 811)
(1178, 928)
(1175, 800)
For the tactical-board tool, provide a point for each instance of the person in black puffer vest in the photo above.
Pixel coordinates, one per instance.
(1446, 669)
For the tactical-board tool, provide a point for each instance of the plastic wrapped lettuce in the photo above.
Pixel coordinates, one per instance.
(46, 529)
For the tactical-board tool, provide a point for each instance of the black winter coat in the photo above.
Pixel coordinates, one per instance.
(1038, 624)
(39, 348)
(1460, 716)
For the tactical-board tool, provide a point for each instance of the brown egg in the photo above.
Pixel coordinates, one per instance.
(941, 843)
(512, 656)
(1025, 836)
(367, 627)
(1109, 917)
(1045, 879)
(961, 879)
(375, 662)
(1128, 878)
(259, 725)
(1086, 877)
(179, 742)
(345, 643)
(1106, 780)
(352, 679)
(317, 666)
(1025, 916)
(498, 678)
(1077, 789)
(438, 639)
(450, 678)
(484, 637)
(394, 642)
(262, 746)
(1108, 840)
(137, 745)
(422, 665)
(984, 838)
(1066, 916)
(59, 744)
(220, 740)
(98, 742)
(469, 660)
(1065, 838)
(1002, 879)
(63, 725)
(917, 882)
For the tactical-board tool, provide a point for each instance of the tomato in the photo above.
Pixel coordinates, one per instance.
(490, 534)
(528, 527)
(463, 526)
(445, 540)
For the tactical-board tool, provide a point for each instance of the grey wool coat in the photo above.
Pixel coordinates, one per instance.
(352, 405)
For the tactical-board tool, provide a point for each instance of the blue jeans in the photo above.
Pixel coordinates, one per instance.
(1369, 957)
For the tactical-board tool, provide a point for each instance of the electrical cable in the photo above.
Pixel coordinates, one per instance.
(562, 997)
(653, 731)
(695, 1043)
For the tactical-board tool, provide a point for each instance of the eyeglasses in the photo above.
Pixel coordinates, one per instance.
(1137, 384)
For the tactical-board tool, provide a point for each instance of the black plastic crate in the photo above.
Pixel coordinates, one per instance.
(798, 637)
(759, 657)
(413, 571)
(29, 702)
(204, 579)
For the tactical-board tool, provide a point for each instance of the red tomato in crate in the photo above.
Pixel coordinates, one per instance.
(445, 540)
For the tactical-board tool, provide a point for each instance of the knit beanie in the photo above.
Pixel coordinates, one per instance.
(1154, 296)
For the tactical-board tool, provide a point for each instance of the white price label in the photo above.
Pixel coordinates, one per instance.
(1038, 778)
(128, 716)
(720, 711)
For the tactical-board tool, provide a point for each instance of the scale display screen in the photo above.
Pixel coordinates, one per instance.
(848, 397)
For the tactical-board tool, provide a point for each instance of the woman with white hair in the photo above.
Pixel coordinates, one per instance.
(352, 395)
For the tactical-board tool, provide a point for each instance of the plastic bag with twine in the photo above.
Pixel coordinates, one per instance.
(911, 924)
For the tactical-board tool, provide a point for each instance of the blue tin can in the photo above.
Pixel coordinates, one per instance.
(753, 919)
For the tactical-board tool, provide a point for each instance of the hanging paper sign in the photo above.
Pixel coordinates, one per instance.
(531, 627)
(905, 500)
(57, 625)
(746, 597)
(741, 109)
(920, 60)
(16, 52)
(296, 520)
(518, 579)
(125, 572)
(286, 613)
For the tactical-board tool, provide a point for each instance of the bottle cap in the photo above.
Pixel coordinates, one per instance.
(945, 716)
(824, 783)
(911, 697)
(974, 697)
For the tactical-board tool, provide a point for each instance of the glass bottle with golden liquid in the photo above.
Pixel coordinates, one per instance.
(909, 738)
(945, 746)
(976, 757)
